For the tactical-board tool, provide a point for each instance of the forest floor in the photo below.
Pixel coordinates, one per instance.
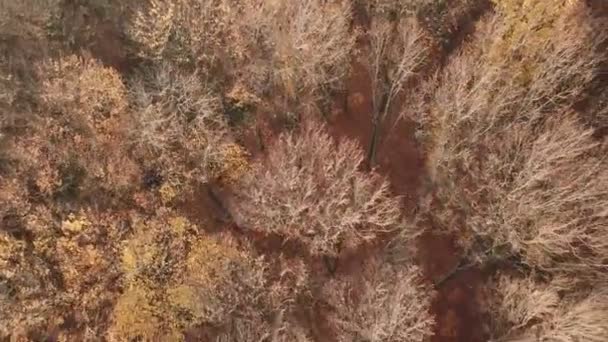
(398, 158)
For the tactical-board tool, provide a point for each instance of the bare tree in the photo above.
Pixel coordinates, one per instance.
(526, 311)
(311, 190)
(557, 203)
(79, 123)
(25, 18)
(295, 46)
(518, 303)
(397, 51)
(260, 330)
(517, 178)
(177, 123)
(391, 305)
(312, 43)
(490, 84)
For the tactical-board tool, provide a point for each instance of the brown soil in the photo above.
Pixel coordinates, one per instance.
(352, 113)
(457, 309)
(463, 20)
(458, 299)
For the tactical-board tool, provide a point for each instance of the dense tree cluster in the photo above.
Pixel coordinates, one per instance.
(173, 170)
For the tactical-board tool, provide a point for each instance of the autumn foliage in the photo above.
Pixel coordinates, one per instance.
(391, 305)
(312, 190)
(222, 170)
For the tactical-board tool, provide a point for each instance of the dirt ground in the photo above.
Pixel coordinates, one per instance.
(401, 161)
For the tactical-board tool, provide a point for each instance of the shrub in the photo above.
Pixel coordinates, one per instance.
(311, 190)
(392, 305)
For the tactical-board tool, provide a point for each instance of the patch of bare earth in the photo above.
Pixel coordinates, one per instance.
(398, 157)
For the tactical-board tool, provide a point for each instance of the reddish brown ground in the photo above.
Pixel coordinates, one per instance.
(401, 161)
(458, 299)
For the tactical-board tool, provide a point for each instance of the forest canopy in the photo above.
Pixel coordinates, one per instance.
(309, 171)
